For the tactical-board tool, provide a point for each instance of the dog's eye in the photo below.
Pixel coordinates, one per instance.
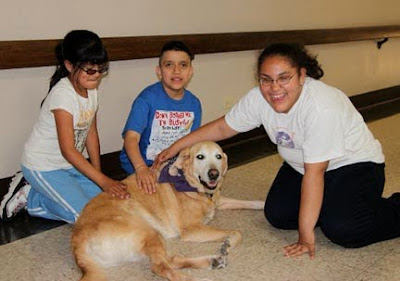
(218, 156)
(200, 156)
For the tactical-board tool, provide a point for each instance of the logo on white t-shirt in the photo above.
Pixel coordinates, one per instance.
(86, 116)
(284, 139)
(167, 127)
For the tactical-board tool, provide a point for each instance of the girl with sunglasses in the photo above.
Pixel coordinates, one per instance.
(333, 170)
(61, 180)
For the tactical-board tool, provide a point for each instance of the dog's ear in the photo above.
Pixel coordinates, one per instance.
(224, 169)
(224, 164)
(178, 164)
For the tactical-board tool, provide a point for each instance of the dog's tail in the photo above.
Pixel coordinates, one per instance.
(91, 270)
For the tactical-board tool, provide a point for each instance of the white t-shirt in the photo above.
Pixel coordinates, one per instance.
(323, 125)
(42, 151)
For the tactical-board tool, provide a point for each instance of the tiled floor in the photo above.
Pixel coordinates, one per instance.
(46, 256)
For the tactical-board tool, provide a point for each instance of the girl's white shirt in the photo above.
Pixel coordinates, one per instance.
(42, 151)
(323, 125)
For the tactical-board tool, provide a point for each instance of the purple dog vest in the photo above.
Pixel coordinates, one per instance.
(179, 181)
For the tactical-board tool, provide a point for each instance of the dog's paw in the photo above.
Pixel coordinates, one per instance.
(219, 262)
(224, 248)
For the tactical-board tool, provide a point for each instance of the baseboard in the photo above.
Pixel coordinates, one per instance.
(378, 104)
(372, 106)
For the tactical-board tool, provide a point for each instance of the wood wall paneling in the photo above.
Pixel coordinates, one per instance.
(35, 53)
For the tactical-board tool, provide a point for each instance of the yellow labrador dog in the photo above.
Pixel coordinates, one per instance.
(111, 231)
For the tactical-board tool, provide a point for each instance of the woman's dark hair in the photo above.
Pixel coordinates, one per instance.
(297, 56)
(78, 47)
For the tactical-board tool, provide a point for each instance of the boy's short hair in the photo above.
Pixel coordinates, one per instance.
(175, 45)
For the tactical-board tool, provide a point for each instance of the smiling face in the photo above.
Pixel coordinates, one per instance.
(175, 71)
(281, 97)
(204, 165)
(209, 163)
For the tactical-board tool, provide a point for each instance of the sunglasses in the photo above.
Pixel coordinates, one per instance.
(92, 71)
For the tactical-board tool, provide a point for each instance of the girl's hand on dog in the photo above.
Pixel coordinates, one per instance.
(115, 189)
(163, 156)
(146, 179)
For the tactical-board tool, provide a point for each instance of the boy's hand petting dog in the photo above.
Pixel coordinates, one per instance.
(146, 179)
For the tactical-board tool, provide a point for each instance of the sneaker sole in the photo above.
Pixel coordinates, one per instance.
(9, 195)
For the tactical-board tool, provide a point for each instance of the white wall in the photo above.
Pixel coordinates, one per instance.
(219, 80)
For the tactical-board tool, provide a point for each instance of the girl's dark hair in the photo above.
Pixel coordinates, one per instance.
(78, 47)
(297, 56)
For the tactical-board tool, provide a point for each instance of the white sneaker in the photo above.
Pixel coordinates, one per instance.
(16, 198)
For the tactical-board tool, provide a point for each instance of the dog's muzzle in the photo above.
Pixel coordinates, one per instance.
(213, 176)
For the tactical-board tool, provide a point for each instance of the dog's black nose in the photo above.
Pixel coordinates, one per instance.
(213, 174)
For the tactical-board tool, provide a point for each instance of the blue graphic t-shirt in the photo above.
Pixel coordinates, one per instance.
(160, 121)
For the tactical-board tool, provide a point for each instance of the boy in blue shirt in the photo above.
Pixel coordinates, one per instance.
(161, 114)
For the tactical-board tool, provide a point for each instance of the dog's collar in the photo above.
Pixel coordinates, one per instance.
(179, 181)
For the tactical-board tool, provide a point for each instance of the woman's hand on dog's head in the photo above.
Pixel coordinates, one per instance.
(163, 156)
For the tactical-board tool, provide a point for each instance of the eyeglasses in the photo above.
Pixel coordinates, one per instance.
(92, 71)
(283, 80)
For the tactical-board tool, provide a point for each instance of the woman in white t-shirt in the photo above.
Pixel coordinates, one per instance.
(333, 170)
(61, 180)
